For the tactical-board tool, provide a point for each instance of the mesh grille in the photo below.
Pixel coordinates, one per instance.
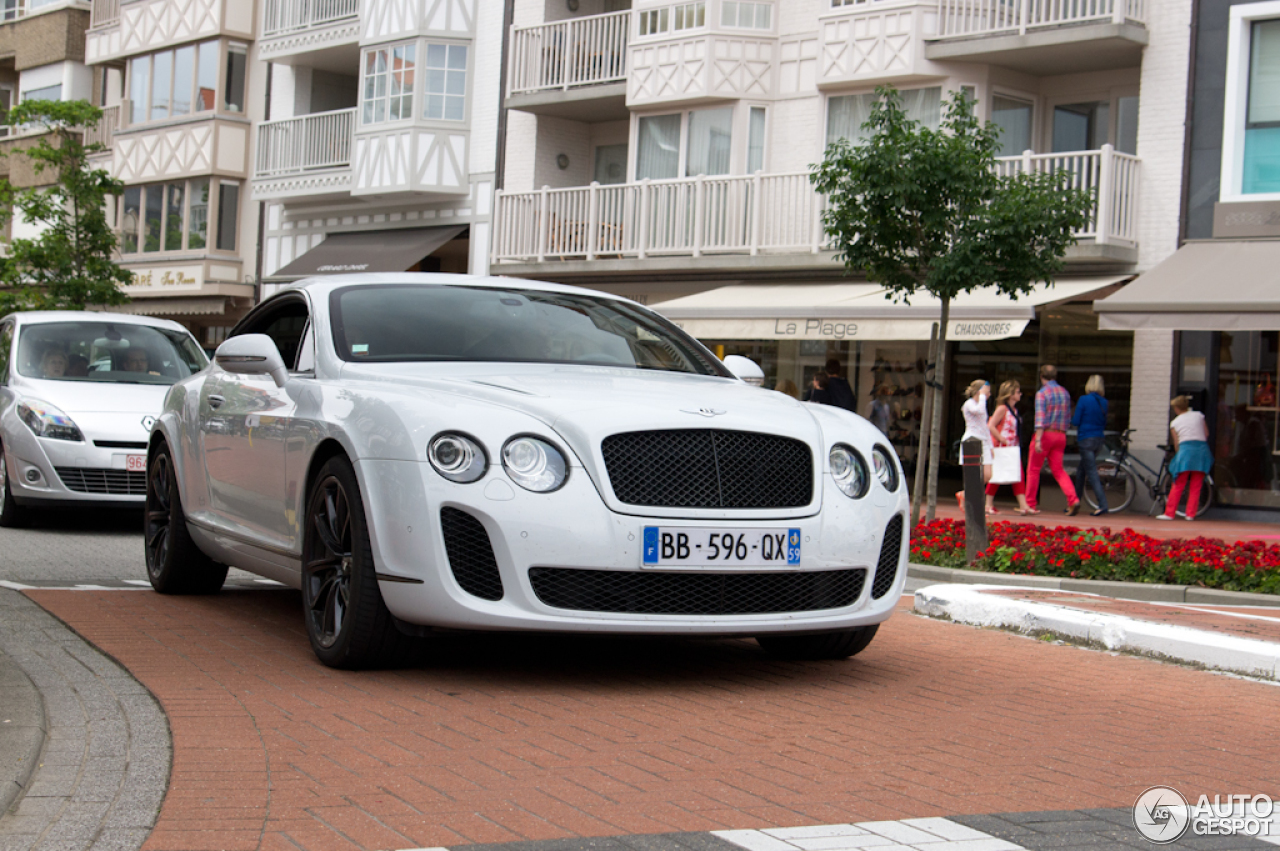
(706, 468)
(695, 593)
(94, 480)
(890, 550)
(470, 554)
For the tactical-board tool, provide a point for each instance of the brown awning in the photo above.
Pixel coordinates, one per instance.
(367, 251)
(172, 306)
(1218, 285)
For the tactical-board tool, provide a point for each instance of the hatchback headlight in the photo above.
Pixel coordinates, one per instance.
(886, 470)
(849, 471)
(47, 421)
(457, 457)
(534, 464)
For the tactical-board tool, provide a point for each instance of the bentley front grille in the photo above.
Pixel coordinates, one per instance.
(709, 468)
(645, 593)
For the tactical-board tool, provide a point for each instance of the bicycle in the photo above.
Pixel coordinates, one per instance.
(1120, 477)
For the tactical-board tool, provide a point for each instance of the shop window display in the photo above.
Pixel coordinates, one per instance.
(1244, 440)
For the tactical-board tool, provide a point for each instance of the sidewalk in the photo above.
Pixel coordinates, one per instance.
(1237, 639)
(1227, 530)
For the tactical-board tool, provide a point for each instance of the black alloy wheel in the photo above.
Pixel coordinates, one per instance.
(11, 514)
(175, 565)
(347, 621)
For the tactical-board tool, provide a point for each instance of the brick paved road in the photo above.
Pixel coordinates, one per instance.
(508, 737)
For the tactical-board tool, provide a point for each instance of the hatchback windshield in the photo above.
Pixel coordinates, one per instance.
(439, 323)
(107, 352)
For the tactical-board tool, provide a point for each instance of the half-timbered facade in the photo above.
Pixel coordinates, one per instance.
(180, 89)
(382, 135)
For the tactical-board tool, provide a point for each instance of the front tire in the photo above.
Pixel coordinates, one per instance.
(12, 515)
(175, 565)
(1117, 482)
(347, 621)
(823, 645)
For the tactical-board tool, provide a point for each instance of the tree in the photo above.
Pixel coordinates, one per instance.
(919, 209)
(69, 265)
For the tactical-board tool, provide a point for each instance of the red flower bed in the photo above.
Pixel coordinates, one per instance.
(1126, 556)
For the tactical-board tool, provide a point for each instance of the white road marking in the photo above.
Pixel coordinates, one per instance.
(920, 834)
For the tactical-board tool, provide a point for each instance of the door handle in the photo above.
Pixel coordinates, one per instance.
(216, 401)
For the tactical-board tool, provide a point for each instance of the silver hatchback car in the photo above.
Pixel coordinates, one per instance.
(79, 392)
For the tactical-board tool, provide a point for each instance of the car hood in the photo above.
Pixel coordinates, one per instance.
(88, 397)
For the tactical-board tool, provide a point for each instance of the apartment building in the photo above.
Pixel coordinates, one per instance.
(180, 91)
(661, 150)
(380, 147)
(41, 57)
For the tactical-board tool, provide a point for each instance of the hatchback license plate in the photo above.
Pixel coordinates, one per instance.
(703, 546)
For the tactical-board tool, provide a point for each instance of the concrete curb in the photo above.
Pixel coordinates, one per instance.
(1145, 591)
(23, 728)
(967, 604)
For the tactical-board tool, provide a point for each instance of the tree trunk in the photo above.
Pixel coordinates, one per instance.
(926, 417)
(935, 427)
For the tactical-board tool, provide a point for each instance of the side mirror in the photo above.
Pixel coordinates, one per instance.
(252, 354)
(745, 369)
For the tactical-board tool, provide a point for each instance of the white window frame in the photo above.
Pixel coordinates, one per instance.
(773, 18)
(987, 110)
(422, 70)
(1236, 101)
(738, 144)
(826, 107)
(416, 104)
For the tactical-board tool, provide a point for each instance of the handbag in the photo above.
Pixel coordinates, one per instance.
(1006, 465)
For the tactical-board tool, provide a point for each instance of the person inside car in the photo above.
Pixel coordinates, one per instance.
(137, 359)
(53, 363)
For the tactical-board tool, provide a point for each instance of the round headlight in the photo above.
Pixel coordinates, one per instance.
(457, 457)
(886, 470)
(534, 464)
(849, 471)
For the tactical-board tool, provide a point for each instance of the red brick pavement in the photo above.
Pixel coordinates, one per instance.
(1261, 623)
(507, 737)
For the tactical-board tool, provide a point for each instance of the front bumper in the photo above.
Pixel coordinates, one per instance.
(573, 529)
(52, 473)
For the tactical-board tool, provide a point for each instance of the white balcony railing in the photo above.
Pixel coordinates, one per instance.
(308, 143)
(575, 52)
(283, 16)
(105, 132)
(962, 18)
(750, 214)
(104, 12)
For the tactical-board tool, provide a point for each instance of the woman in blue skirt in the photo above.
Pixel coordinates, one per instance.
(1190, 435)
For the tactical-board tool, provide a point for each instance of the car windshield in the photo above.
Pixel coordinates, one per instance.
(111, 352)
(450, 323)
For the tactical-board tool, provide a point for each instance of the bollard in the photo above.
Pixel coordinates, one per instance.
(975, 500)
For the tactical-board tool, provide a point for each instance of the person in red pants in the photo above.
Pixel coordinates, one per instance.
(1053, 418)
(1190, 435)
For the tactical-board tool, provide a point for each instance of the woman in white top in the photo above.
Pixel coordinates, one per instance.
(1190, 435)
(975, 423)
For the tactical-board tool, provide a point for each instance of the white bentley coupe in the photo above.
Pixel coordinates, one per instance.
(79, 393)
(425, 451)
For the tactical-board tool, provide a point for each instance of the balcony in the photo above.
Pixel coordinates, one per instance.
(575, 68)
(295, 27)
(1042, 36)
(309, 156)
(104, 134)
(766, 220)
(103, 13)
(879, 41)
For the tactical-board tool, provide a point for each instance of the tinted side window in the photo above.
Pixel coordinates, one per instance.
(6, 345)
(284, 326)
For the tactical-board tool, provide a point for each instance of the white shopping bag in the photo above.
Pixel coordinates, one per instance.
(1006, 467)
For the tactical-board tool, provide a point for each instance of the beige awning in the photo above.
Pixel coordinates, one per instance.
(861, 311)
(1219, 285)
(173, 306)
(367, 251)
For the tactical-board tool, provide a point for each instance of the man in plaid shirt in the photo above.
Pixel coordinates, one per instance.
(1053, 418)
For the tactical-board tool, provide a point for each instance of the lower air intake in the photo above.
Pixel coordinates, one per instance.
(890, 551)
(470, 554)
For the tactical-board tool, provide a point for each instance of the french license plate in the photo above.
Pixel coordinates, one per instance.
(704, 546)
(135, 463)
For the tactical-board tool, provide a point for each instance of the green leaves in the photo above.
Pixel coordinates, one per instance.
(921, 209)
(70, 264)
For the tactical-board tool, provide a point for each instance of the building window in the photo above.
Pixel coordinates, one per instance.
(388, 83)
(1261, 171)
(53, 92)
(174, 216)
(746, 15)
(701, 139)
(1013, 117)
(847, 114)
(683, 16)
(446, 82)
(182, 81)
(755, 140)
(234, 81)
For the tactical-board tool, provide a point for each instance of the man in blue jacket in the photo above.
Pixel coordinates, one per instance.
(1090, 420)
